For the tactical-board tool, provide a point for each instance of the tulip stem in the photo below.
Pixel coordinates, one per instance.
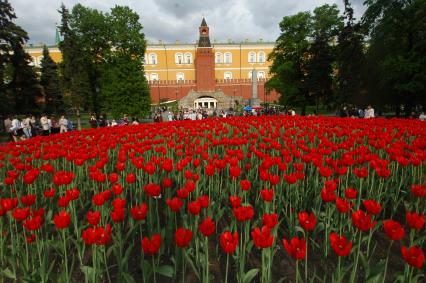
(153, 269)
(306, 257)
(64, 240)
(356, 259)
(227, 267)
(297, 271)
(206, 241)
(386, 264)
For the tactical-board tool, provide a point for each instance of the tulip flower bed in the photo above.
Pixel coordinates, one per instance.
(253, 199)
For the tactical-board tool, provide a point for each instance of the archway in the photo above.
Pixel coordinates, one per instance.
(205, 102)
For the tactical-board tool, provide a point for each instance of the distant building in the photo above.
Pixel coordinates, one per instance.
(204, 75)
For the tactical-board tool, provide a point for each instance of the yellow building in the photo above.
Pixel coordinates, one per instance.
(232, 60)
(176, 61)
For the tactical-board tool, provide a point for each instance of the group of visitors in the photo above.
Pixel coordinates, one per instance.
(30, 126)
(102, 122)
(357, 112)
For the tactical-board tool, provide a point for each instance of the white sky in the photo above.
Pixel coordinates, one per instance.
(171, 20)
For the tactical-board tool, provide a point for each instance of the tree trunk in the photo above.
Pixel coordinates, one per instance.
(78, 119)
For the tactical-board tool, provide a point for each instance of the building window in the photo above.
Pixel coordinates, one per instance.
(178, 58)
(154, 77)
(228, 58)
(228, 75)
(219, 58)
(180, 76)
(252, 57)
(153, 59)
(188, 58)
(261, 57)
(261, 75)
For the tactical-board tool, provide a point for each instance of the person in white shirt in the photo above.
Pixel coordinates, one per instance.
(26, 126)
(44, 122)
(369, 112)
(63, 124)
(422, 116)
(16, 129)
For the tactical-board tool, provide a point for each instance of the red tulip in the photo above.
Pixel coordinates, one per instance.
(414, 220)
(362, 221)
(351, 193)
(243, 213)
(342, 205)
(20, 214)
(307, 220)
(228, 242)
(183, 237)
(139, 212)
(245, 185)
(372, 206)
(117, 215)
(270, 220)
(393, 230)
(296, 248)
(93, 217)
(204, 201)
(235, 201)
(152, 190)
(262, 238)
(194, 207)
(413, 256)
(49, 193)
(151, 246)
(175, 204)
(62, 219)
(207, 227)
(340, 245)
(267, 195)
(418, 190)
(28, 200)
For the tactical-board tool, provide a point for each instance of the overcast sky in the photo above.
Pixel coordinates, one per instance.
(171, 20)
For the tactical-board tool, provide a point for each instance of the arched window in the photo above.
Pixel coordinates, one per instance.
(188, 58)
(180, 76)
(154, 77)
(228, 75)
(153, 59)
(261, 57)
(252, 57)
(261, 75)
(219, 58)
(178, 58)
(228, 58)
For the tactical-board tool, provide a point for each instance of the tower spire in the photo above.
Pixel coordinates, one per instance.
(204, 40)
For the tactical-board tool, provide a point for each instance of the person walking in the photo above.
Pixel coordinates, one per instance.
(93, 122)
(7, 125)
(55, 128)
(369, 112)
(26, 126)
(63, 124)
(44, 122)
(16, 130)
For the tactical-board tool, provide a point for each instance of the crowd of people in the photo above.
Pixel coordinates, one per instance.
(30, 126)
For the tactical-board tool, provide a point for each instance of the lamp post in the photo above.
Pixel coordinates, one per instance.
(233, 100)
(158, 89)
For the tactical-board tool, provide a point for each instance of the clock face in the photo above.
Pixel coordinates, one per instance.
(204, 31)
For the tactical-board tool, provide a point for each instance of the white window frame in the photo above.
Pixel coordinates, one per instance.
(178, 58)
(227, 75)
(252, 55)
(261, 57)
(228, 58)
(154, 77)
(188, 58)
(180, 76)
(261, 75)
(153, 59)
(218, 58)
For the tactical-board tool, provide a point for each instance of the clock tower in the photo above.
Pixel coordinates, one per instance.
(204, 60)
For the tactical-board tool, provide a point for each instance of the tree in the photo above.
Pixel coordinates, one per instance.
(74, 77)
(50, 82)
(326, 24)
(124, 87)
(397, 51)
(350, 60)
(289, 60)
(24, 85)
(18, 83)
